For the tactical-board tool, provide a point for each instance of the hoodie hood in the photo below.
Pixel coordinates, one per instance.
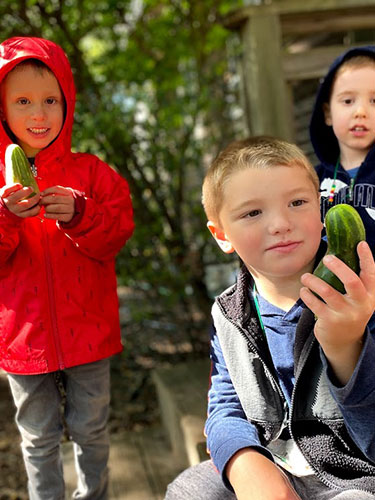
(322, 136)
(17, 49)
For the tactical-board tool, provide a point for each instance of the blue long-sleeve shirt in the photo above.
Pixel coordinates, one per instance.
(228, 429)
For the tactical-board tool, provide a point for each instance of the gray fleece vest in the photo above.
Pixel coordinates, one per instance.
(315, 421)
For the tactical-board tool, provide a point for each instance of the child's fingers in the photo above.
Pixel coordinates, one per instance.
(30, 212)
(53, 199)
(367, 265)
(19, 200)
(353, 284)
(57, 190)
(322, 293)
(8, 190)
(58, 209)
(316, 305)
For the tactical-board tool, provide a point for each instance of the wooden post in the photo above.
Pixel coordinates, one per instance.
(267, 97)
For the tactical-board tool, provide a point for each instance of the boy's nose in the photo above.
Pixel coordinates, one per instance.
(279, 223)
(360, 110)
(38, 112)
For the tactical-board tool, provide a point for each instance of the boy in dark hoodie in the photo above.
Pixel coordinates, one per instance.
(342, 131)
(58, 295)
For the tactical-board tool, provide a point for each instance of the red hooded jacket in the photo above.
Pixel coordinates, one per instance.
(58, 293)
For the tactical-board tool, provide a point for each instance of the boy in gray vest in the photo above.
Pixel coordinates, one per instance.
(291, 407)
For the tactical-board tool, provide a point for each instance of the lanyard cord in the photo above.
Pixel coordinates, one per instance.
(333, 187)
(255, 293)
(349, 196)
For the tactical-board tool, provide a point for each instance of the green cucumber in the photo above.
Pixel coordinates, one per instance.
(18, 169)
(345, 229)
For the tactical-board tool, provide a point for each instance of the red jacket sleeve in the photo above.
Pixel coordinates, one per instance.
(105, 221)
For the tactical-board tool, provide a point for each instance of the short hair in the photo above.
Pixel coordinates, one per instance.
(37, 64)
(259, 152)
(355, 62)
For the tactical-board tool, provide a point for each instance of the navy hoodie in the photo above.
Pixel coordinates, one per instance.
(326, 147)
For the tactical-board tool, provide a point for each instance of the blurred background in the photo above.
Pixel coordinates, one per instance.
(163, 86)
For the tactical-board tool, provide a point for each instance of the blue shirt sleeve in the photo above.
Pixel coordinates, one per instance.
(227, 428)
(357, 398)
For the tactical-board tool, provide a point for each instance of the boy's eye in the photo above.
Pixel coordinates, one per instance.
(253, 213)
(347, 101)
(51, 100)
(298, 203)
(23, 100)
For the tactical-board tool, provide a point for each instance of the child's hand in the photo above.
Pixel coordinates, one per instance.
(15, 199)
(342, 319)
(59, 203)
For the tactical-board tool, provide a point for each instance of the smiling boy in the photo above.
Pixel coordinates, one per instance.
(58, 290)
(34, 117)
(288, 394)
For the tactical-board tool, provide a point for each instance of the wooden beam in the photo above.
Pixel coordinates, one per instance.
(328, 21)
(267, 97)
(312, 63)
(291, 8)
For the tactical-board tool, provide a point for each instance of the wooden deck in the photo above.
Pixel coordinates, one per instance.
(141, 466)
(143, 463)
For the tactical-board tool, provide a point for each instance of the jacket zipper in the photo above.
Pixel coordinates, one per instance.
(51, 297)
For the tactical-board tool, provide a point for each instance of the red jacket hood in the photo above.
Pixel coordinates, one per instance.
(17, 49)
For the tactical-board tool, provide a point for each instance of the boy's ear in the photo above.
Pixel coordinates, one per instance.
(220, 237)
(327, 114)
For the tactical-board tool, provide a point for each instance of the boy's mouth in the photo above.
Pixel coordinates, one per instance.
(284, 246)
(359, 128)
(38, 130)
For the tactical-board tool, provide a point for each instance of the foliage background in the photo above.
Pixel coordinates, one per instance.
(156, 99)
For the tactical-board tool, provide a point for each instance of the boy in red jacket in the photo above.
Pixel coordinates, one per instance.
(58, 300)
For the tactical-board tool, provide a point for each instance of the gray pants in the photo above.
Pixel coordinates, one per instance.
(202, 482)
(39, 420)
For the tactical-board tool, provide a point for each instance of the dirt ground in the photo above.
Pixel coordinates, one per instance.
(12, 473)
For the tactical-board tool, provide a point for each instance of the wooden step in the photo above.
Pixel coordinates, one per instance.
(141, 465)
(182, 395)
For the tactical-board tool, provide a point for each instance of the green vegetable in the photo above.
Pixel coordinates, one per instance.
(18, 169)
(345, 229)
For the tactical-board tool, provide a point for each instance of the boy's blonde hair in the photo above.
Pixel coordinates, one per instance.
(255, 152)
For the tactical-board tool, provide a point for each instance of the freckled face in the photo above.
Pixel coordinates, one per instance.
(33, 107)
(271, 217)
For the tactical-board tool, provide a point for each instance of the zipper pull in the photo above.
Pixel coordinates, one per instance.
(34, 170)
(351, 188)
